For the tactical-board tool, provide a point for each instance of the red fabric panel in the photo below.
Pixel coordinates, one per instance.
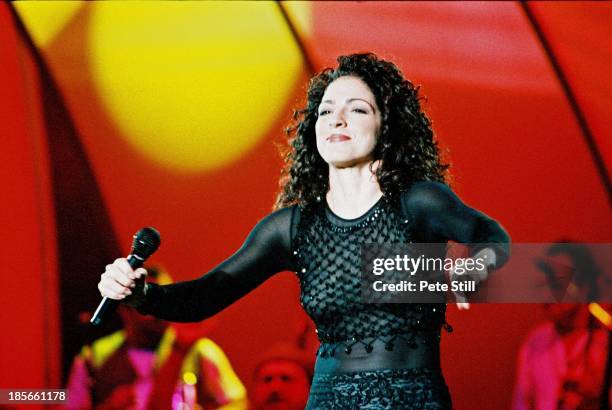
(29, 347)
(580, 35)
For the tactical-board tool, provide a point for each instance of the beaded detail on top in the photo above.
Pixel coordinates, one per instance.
(328, 255)
(373, 214)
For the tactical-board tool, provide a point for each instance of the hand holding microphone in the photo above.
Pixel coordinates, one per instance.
(125, 278)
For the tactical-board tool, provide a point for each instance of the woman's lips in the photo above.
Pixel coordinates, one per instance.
(338, 138)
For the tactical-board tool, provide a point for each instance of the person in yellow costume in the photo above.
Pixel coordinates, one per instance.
(150, 365)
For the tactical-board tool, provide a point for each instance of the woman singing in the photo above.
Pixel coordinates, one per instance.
(363, 167)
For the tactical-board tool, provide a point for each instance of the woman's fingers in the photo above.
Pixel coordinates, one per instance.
(118, 279)
(119, 276)
(122, 265)
(113, 290)
(472, 277)
(460, 296)
(461, 300)
(140, 272)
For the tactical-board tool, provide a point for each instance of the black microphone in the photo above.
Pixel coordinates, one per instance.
(146, 241)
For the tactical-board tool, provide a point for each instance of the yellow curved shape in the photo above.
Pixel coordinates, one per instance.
(192, 85)
(45, 19)
(300, 13)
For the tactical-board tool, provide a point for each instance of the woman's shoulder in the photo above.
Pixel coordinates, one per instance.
(280, 217)
(281, 221)
(426, 188)
(426, 194)
(287, 213)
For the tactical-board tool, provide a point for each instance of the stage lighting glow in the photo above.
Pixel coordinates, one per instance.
(601, 314)
(192, 85)
(190, 378)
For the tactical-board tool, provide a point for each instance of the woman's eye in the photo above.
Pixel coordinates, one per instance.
(324, 112)
(360, 110)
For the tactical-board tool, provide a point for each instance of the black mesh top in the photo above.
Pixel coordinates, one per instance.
(325, 251)
(328, 253)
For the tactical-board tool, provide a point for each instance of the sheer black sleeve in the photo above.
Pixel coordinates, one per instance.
(438, 215)
(266, 251)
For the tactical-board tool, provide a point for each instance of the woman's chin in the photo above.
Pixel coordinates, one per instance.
(348, 162)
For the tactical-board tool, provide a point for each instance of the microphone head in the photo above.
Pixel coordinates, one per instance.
(146, 241)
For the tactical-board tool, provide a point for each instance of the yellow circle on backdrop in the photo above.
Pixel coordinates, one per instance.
(192, 85)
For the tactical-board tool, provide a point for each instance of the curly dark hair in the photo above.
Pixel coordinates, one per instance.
(405, 142)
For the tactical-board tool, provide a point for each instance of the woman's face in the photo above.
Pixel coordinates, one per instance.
(348, 123)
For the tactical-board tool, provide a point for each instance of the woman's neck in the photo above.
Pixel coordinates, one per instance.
(352, 190)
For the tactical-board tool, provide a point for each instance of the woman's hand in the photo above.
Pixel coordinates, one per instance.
(120, 282)
(476, 276)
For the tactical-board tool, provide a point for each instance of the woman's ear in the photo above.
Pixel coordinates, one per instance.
(377, 163)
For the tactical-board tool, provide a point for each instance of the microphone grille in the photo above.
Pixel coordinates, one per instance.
(146, 241)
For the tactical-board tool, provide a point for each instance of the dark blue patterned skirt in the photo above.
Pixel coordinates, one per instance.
(420, 388)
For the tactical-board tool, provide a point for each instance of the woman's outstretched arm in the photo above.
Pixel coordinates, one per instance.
(439, 215)
(266, 251)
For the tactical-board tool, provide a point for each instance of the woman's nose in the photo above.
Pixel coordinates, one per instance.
(337, 120)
